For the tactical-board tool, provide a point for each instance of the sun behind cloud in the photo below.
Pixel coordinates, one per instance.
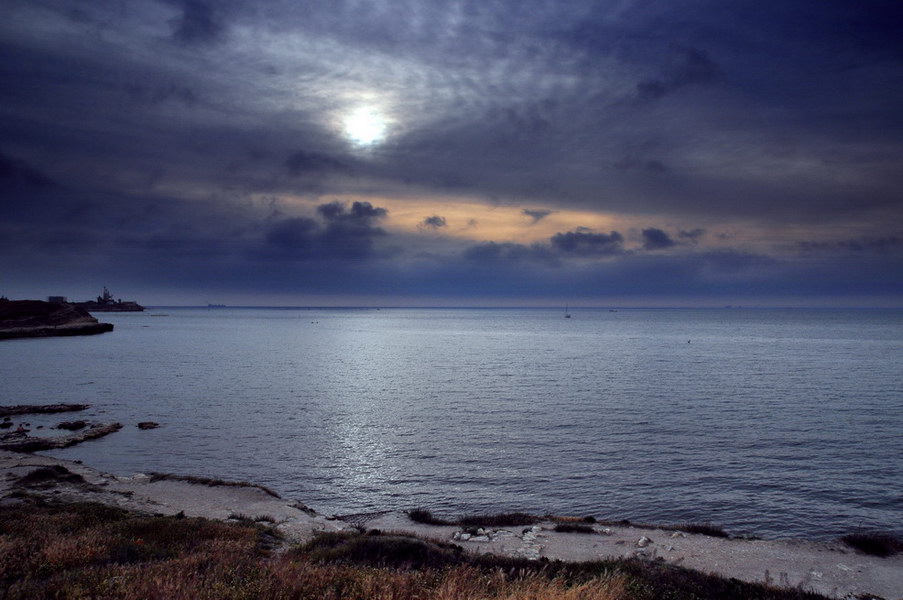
(365, 126)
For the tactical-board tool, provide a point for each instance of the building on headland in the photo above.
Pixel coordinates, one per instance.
(106, 303)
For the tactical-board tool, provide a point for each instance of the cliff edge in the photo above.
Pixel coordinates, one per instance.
(35, 318)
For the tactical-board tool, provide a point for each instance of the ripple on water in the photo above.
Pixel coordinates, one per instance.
(772, 422)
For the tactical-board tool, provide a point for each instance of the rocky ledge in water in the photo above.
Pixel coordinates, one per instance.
(20, 441)
(36, 318)
(35, 409)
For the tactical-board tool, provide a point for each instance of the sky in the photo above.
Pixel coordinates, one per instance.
(456, 153)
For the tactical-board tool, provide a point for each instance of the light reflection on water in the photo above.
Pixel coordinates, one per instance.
(769, 422)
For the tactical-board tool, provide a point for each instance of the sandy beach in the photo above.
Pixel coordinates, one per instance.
(829, 568)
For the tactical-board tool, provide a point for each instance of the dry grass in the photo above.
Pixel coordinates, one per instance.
(92, 551)
(82, 551)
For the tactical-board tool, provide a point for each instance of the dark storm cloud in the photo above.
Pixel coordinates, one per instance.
(297, 233)
(866, 244)
(163, 124)
(344, 234)
(558, 250)
(492, 252)
(302, 163)
(547, 114)
(587, 243)
(692, 236)
(689, 66)
(16, 172)
(631, 162)
(200, 22)
(434, 222)
(536, 214)
(361, 213)
(656, 239)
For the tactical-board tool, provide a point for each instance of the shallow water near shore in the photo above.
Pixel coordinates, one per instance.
(769, 422)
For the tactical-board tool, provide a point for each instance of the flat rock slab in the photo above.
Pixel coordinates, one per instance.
(55, 331)
(20, 442)
(148, 494)
(35, 409)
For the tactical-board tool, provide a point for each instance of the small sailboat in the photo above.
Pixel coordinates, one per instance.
(567, 315)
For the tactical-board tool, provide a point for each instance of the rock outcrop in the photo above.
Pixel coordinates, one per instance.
(35, 318)
(22, 442)
(34, 409)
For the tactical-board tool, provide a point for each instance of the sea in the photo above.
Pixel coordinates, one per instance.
(768, 422)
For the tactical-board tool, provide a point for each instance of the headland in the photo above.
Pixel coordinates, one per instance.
(36, 318)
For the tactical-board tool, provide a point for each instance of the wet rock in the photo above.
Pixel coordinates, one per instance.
(30, 409)
(6, 424)
(148, 425)
(17, 442)
(643, 542)
(72, 425)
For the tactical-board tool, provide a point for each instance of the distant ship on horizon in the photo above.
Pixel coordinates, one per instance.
(106, 303)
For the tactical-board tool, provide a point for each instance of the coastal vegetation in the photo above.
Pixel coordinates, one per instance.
(511, 519)
(574, 528)
(563, 524)
(87, 550)
(874, 543)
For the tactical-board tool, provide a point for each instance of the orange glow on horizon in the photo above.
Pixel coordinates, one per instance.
(467, 218)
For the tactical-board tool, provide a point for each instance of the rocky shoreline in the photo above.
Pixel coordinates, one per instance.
(35, 318)
(20, 441)
(829, 568)
(833, 569)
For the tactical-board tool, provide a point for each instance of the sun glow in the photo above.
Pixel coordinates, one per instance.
(365, 127)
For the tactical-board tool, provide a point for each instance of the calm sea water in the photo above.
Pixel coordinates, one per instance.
(769, 422)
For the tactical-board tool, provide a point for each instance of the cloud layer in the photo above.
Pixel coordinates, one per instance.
(749, 150)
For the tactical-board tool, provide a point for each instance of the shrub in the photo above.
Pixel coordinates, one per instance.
(573, 528)
(394, 551)
(514, 519)
(703, 529)
(419, 515)
(874, 543)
